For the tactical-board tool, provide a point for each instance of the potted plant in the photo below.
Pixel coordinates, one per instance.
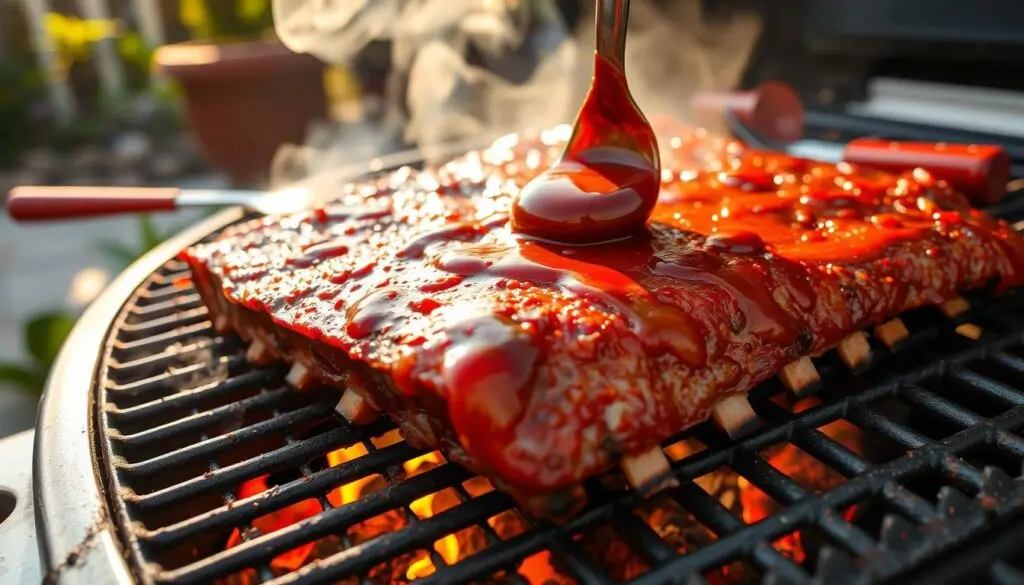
(245, 92)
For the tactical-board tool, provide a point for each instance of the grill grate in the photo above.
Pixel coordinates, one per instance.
(187, 421)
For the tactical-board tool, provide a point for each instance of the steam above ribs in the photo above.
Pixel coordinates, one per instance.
(541, 364)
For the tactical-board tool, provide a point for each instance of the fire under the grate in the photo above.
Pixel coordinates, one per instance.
(670, 520)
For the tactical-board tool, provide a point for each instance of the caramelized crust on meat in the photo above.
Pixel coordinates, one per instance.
(541, 364)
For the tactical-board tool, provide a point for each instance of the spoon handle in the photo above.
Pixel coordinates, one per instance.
(30, 203)
(612, 17)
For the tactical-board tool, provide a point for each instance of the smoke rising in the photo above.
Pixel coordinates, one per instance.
(468, 68)
(676, 50)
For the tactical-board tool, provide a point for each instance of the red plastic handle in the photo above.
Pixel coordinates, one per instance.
(979, 171)
(54, 203)
(772, 109)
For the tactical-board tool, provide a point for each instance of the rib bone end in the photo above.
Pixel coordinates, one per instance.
(244, 333)
(954, 307)
(734, 415)
(300, 377)
(855, 351)
(259, 353)
(356, 409)
(970, 331)
(222, 324)
(800, 377)
(648, 473)
(892, 333)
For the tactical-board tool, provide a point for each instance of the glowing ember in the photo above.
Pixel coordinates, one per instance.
(806, 470)
(294, 558)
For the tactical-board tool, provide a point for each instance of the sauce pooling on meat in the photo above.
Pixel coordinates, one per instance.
(606, 182)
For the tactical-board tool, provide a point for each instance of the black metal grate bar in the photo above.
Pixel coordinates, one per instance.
(187, 422)
(161, 309)
(940, 406)
(908, 503)
(580, 564)
(142, 367)
(773, 482)
(654, 549)
(833, 454)
(1004, 574)
(229, 477)
(167, 383)
(216, 445)
(199, 421)
(868, 419)
(243, 511)
(160, 342)
(993, 388)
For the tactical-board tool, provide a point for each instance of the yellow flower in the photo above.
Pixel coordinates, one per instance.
(73, 37)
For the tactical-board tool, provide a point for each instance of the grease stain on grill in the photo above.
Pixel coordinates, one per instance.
(213, 463)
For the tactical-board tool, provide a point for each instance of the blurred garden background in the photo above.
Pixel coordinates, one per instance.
(131, 92)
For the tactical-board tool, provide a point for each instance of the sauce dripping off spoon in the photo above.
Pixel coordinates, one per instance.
(606, 183)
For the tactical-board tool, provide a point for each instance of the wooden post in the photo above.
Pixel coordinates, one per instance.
(151, 22)
(62, 100)
(108, 62)
(151, 27)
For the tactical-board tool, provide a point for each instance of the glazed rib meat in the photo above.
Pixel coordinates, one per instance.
(540, 365)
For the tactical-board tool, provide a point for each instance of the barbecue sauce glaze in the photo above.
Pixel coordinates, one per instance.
(547, 360)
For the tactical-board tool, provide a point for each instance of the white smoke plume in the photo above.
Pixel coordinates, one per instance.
(437, 93)
(676, 50)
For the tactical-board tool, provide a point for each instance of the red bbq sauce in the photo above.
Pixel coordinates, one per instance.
(606, 183)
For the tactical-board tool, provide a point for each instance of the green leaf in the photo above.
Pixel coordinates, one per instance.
(119, 254)
(24, 378)
(134, 50)
(45, 333)
(150, 235)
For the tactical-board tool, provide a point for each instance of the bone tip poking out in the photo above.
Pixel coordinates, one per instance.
(855, 351)
(800, 377)
(970, 331)
(222, 324)
(259, 353)
(356, 409)
(954, 307)
(735, 416)
(300, 377)
(648, 472)
(892, 333)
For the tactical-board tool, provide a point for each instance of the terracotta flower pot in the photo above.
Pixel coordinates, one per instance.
(244, 100)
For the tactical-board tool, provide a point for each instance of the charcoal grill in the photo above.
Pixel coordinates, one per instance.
(143, 444)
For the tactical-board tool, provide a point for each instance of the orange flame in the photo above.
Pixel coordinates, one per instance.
(425, 507)
(795, 463)
(295, 558)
